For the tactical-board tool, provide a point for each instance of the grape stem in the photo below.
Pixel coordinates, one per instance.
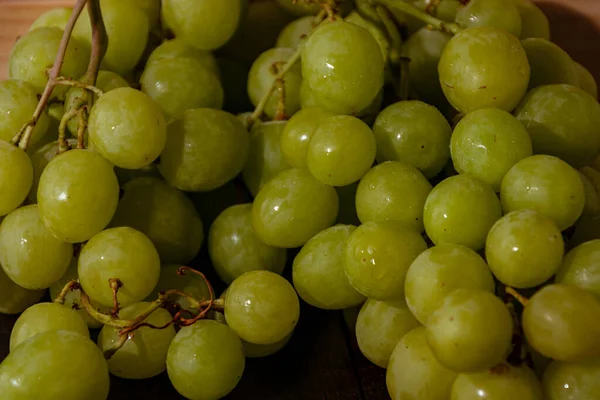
(63, 144)
(81, 127)
(414, 11)
(518, 296)
(115, 284)
(71, 285)
(72, 82)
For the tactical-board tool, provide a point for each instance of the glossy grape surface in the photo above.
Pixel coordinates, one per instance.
(40, 158)
(55, 17)
(534, 23)
(501, 382)
(581, 267)
(570, 381)
(295, 33)
(177, 47)
(549, 63)
(492, 13)
(378, 33)
(18, 101)
(16, 177)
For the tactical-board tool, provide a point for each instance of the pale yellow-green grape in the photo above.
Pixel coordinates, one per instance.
(127, 28)
(414, 373)
(262, 307)
(205, 360)
(534, 22)
(571, 381)
(592, 202)
(44, 317)
(292, 208)
(493, 13)
(77, 195)
(341, 150)
(563, 121)
(18, 101)
(262, 75)
(265, 157)
(55, 17)
(379, 34)
(145, 354)
(470, 331)
(204, 24)
(35, 52)
(16, 177)
(177, 47)
(440, 270)
(347, 209)
(461, 210)
(119, 253)
(545, 184)
(182, 83)
(13, 298)
(318, 271)
(581, 267)
(307, 98)
(39, 160)
(380, 326)
(189, 283)
(377, 256)
(562, 322)
(524, 249)
(235, 249)
(296, 32)
(503, 381)
(343, 66)
(152, 10)
(549, 63)
(29, 254)
(40, 369)
(252, 350)
(164, 214)
(484, 67)
(587, 82)
(486, 143)
(127, 128)
(415, 133)
(393, 190)
(205, 149)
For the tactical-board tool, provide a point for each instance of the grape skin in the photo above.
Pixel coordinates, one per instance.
(295, 33)
(18, 101)
(549, 64)
(56, 17)
(177, 47)
(13, 298)
(534, 22)
(16, 177)
(492, 13)
(580, 267)
(570, 381)
(503, 382)
(587, 82)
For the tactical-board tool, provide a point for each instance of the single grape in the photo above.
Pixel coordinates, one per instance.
(16, 177)
(55, 17)
(581, 267)
(379, 34)
(446, 10)
(15, 299)
(235, 249)
(492, 13)
(414, 372)
(347, 210)
(563, 121)
(293, 207)
(587, 82)
(77, 195)
(39, 369)
(484, 67)
(205, 149)
(570, 381)
(318, 271)
(470, 331)
(592, 202)
(252, 350)
(461, 210)
(343, 66)
(549, 63)
(118, 253)
(39, 160)
(165, 215)
(393, 190)
(534, 22)
(486, 143)
(18, 101)
(177, 47)
(377, 256)
(296, 32)
(545, 184)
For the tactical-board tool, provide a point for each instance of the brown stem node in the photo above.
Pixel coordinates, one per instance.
(115, 284)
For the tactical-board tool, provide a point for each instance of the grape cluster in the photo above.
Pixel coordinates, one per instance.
(424, 165)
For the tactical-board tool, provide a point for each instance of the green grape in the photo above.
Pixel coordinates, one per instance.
(581, 267)
(549, 63)
(501, 382)
(341, 150)
(545, 184)
(440, 270)
(571, 381)
(318, 271)
(347, 208)
(41, 369)
(152, 10)
(234, 248)
(534, 22)
(343, 66)
(176, 48)
(484, 67)
(234, 78)
(486, 143)
(55, 17)
(261, 307)
(35, 51)
(16, 177)
(252, 350)
(378, 33)
(44, 317)
(18, 101)
(461, 210)
(293, 207)
(415, 133)
(13, 298)
(490, 13)
(296, 32)
(307, 98)
(145, 354)
(380, 326)
(204, 24)
(77, 195)
(561, 322)
(446, 10)
(29, 254)
(182, 83)
(414, 373)
(524, 249)
(408, 22)
(165, 215)
(563, 121)
(118, 253)
(205, 149)
(592, 202)
(587, 82)
(127, 29)
(470, 331)
(377, 256)
(393, 190)
(205, 360)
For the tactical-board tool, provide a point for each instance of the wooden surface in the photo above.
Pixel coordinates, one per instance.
(322, 360)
